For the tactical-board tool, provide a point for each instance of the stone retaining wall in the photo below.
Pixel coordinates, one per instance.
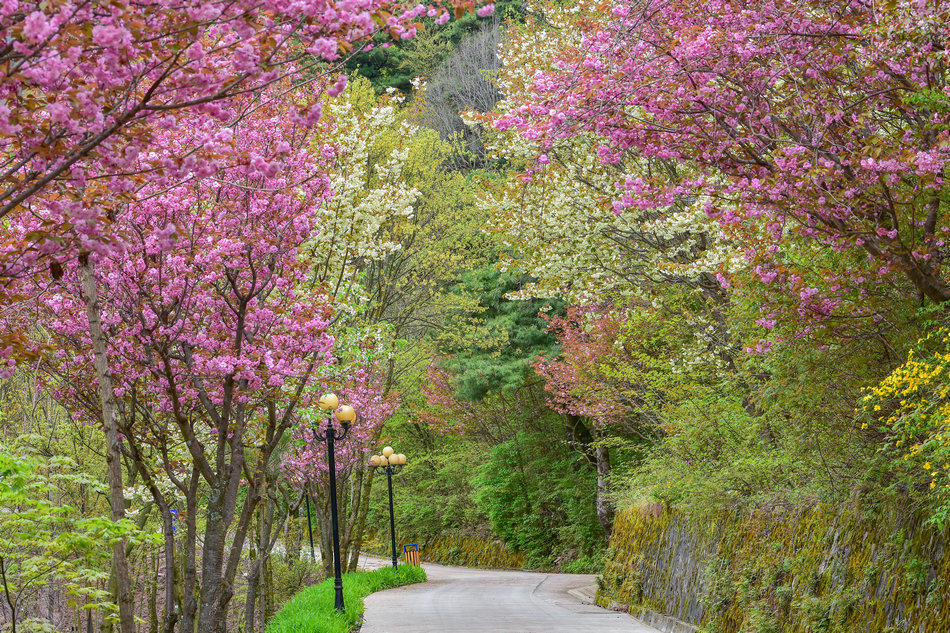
(816, 570)
(470, 551)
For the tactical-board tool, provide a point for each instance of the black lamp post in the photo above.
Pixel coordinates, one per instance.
(345, 415)
(390, 464)
(313, 556)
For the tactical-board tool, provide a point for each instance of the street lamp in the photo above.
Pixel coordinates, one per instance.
(345, 415)
(390, 463)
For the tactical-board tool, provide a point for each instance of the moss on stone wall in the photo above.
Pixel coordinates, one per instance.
(453, 549)
(816, 570)
(471, 552)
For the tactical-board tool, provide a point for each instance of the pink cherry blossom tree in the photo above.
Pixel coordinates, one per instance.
(88, 86)
(118, 118)
(210, 337)
(817, 121)
(86, 82)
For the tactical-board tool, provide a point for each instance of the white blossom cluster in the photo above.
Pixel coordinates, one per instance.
(580, 225)
(562, 222)
(370, 193)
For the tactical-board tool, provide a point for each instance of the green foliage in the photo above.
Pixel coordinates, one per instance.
(501, 337)
(541, 501)
(444, 473)
(291, 576)
(312, 610)
(773, 429)
(593, 564)
(43, 539)
(910, 409)
(404, 296)
(481, 519)
(397, 65)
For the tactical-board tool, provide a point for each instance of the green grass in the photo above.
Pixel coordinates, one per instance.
(311, 610)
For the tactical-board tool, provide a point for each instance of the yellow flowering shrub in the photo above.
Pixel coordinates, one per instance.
(912, 406)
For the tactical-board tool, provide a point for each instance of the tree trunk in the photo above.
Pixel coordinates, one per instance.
(210, 618)
(360, 518)
(153, 598)
(218, 570)
(253, 576)
(190, 575)
(605, 510)
(11, 603)
(256, 577)
(293, 538)
(105, 625)
(171, 613)
(268, 508)
(349, 555)
(927, 281)
(321, 523)
(113, 450)
(269, 606)
(582, 439)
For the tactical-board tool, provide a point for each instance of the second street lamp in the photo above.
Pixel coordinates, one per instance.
(345, 415)
(390, 463)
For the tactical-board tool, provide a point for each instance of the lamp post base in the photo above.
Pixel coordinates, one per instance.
(338, 587)
(392, 516)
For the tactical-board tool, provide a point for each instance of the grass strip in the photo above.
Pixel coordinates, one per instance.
(311, 610)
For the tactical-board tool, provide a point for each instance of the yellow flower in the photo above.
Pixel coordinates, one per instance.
(933, 484)
(927, 466)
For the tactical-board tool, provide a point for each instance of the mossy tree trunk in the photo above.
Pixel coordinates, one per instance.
(590, 443)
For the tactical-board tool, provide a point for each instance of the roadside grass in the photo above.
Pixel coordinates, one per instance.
(312, 611)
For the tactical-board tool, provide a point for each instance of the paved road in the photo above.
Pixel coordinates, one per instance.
(462, 600)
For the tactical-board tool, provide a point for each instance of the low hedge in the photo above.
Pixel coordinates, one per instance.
(312, 610)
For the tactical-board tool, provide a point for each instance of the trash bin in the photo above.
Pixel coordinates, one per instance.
(410, 552)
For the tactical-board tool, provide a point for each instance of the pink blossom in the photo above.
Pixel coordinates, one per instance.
(8, 7)
(109, 36)
(36, 27)
(325, 47)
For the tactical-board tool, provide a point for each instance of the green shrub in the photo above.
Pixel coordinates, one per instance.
(584, 565)
(312, 610)
(292, 576)
(541, 504)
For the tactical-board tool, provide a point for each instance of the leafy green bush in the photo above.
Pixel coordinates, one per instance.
(312, 610)
(43, 541)
(541, 504)
(293, 576)
(593, 564)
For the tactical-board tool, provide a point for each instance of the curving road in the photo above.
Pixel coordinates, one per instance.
(463, 600)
